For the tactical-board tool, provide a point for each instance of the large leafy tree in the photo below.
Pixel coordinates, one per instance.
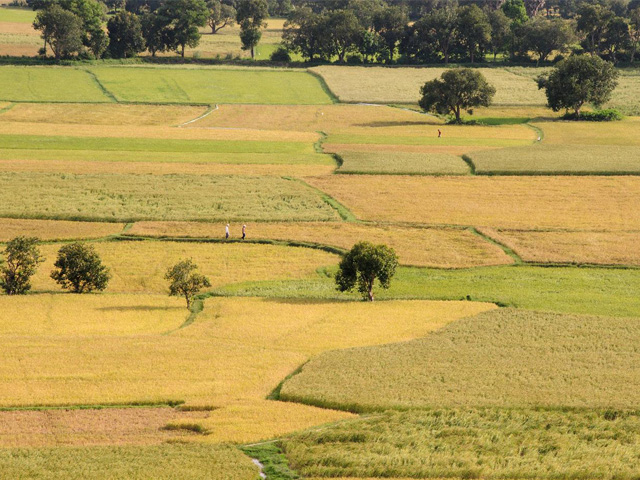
(305, 33)
(362, 265)
(457, 90)
(185, 281)
(634, 31)
(593, 21)
(182, 20)
(474, 30)
(22, 258)
(617, 37)
(61, 30)
(543, 36)
(390, 24)
(578, 80)
(251, 15)
(125, 35)
(442, 25)
(220, 15)
(500, 30)
(344, 31)
(78, 268)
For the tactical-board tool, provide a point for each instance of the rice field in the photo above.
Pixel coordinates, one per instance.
(55, 230)
(401, 163)
(503, 358)
(605, 248)
(446, 248)
(472, 443)
(122, 198)
(572, 203)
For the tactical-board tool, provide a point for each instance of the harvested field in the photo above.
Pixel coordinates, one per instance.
(229, 357)
(144, 197)
(447, 248)
(55, 230)
(211, 85)
(105, 426)
(151, 462)
(49, 84)
(402, 163)
(606, 248)
(140, 266)
(506, 358)
(622, 133)
(605, 203)
(472, 443)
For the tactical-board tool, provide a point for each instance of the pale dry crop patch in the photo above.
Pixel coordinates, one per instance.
(55, 229)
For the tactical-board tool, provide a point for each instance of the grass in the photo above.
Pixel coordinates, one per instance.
(503, 358)
(595, 291)
(159, 462)
(608, 203)
(208, 86)
(121, 198)
(447, 248)
(604, 248)
(230, 357)
(275, 463)
(55, 230)
(16, 15)
(48, 84)
(139, 267)
(473, 443)
(402, 163)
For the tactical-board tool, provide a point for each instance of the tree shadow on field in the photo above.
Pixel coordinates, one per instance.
(139, 308)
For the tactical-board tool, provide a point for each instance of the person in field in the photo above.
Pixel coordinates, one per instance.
(226, 231)
(439, 133)
(244, 232)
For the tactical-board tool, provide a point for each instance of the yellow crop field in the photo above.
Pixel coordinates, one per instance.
(437, 247)
(139, 267)
(402, 85)
(604, 203)
(51, 315)
(607, 248)
(624, 133)
(102, 114)
(55, 229)
(229, 358)
(402, 163)
(379, 148)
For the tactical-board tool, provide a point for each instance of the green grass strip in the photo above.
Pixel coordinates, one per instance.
(272, 460)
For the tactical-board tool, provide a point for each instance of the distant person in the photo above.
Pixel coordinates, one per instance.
(226, 232)
(244, 232)
(439, 133)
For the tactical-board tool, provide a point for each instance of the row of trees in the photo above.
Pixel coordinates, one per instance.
(75, 27)
(366, 30)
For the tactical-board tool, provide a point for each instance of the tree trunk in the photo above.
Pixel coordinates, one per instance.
(253, 53)
(183, 50)
(446, 56)
(457, 112)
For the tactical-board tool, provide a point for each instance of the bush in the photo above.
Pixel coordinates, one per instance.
(607, 115)
(281, 54)
(354, 60)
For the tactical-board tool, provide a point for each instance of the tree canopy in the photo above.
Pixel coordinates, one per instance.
(78, 268)
(22, 258)
(185, 281)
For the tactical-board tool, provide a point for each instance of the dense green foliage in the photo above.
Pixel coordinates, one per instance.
(78, 268)
(185, 281)
(21, 261)
(125, 35)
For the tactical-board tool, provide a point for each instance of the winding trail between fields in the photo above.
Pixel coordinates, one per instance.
(208, 112)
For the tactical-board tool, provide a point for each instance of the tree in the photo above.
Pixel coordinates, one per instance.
(344, 32)
(78, 268)
(515, 10)
(456, 90)
(220, 15)
(634, 31)
(182, 19)
(577, 80)
(593, 20)
(304, 33)
(362, 265)
(125, 35)
(533, 7)
(251, 16)
(156, 33)
(22, 258)
(185, 281)
(543, 36)
(617, 37)
(474, 30)
(61, 30)
(443, 26)
(500, 30)
(92, 14)
(390, 24)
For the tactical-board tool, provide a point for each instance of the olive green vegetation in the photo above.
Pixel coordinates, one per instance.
(209, 85)
(474, 443)
(402, 163)
(274, 463)
(135, 462)
(501, 358)
(17, 15)
(597, 291)
(49, 84)
(559, 159)
(159, 197)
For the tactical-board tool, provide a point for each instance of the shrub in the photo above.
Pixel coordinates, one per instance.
(281, 54)
(607, 115)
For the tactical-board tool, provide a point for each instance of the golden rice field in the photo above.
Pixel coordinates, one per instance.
(535, 203)
(55, 229)
(229, 358)
(401, 163)
(139, 267)
(622, 133)
(605, 248)
(437, 247)
(121, 198)
(504, 358)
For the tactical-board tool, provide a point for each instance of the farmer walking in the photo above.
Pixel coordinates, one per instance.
(244, 232)
(226, 232)
(439, 133)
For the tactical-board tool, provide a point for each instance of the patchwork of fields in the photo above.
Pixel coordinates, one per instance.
(505, 347)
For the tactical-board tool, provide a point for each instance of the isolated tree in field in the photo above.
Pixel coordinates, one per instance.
(125, 35)
(220, 15)
(362, 265)
(22, 258)
(456, 90)
(61, 30)
(578, 80)
(251, 16)
(78, 268)
(185, 280)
